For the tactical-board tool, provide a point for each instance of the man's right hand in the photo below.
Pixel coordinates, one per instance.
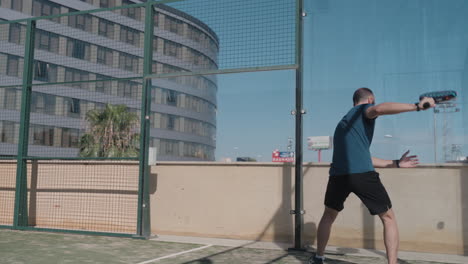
(425, 100)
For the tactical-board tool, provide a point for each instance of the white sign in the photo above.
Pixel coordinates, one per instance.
(152, 154)
(323, 142)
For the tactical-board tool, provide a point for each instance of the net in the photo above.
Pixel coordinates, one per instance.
(83, 195)
(85, 116)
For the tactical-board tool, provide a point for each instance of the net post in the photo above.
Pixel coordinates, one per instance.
(20, 216)
(298, 194)
(144, 220)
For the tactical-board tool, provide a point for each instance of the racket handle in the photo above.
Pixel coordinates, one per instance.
(426, 105)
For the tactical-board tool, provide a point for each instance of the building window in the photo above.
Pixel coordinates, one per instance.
(155, 44)
(106, 29)
(152, 120)
(72, 75)
(106, 3)
(171, 97)
(154, 143)
(46, 8)
(156, 95)
(103, 86)
(158, 120)
(172, 49)
(173, 25)
(213, 46)
(45, 72)
(15, 33)
(82, 22)
(168, 147)
(8, 132)
(11, 99)
(169, 122)
(156, 19)
(70, 138)
(172, 69)
(129, 36)
(190, 126)
(195, 34)
(78, 49)
(104, 56)
(196, 57)
(198, 128)
(154, 67)
(43, 103)
(42, 135)
(71, 107)
(129, 89)
(12, 66)
(128, 62)
(17, 5)
(46, 41)
(200, 83)
(134, 12)
(197, 151)
(192, 103)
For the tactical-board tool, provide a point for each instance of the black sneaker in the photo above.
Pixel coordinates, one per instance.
(315, 260)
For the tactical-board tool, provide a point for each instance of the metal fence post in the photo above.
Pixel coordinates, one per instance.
(21, 193)
(144, 225)
(299, 111)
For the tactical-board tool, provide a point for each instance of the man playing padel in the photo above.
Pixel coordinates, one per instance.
(352, 169)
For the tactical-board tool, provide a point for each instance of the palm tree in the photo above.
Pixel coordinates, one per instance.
(112, 133)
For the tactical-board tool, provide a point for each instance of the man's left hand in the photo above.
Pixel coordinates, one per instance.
(408, 161)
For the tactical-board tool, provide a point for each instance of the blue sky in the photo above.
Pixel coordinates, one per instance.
(398, 48)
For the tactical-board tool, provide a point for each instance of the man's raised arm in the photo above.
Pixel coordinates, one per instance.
(396, 108)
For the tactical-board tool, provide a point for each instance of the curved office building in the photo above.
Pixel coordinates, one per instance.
(101, 46)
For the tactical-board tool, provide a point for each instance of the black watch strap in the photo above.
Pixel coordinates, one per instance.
(417, 107)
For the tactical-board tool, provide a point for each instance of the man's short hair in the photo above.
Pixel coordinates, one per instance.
(361, 93)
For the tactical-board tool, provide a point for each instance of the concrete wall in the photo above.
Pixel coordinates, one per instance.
(241, 201)
(252, 201)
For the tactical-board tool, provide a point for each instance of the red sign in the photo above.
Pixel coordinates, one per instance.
(282, 156)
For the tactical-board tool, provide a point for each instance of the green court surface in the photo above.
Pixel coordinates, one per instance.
(38, 247)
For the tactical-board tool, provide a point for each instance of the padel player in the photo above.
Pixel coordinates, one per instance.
(352, 169)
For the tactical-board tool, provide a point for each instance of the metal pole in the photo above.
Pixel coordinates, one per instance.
(144, 221)
(298, 208)
(20, 217)
(435, 137)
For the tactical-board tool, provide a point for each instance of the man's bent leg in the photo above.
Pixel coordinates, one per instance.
(391, 237)
(324, 229)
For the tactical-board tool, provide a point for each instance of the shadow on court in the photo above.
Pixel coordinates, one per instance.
(241, 255)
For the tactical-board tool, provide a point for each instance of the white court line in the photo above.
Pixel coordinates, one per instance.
(175, 254)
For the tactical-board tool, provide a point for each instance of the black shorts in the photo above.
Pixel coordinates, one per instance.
(367, 186)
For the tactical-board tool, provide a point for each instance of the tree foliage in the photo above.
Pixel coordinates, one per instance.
(112, 133)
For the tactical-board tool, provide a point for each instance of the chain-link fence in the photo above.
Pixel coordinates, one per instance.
(88, 95)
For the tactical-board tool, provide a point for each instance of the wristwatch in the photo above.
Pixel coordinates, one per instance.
(417, 106)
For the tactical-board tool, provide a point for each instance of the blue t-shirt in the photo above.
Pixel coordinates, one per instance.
(351, 143)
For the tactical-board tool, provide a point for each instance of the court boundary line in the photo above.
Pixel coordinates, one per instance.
(175, 254)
